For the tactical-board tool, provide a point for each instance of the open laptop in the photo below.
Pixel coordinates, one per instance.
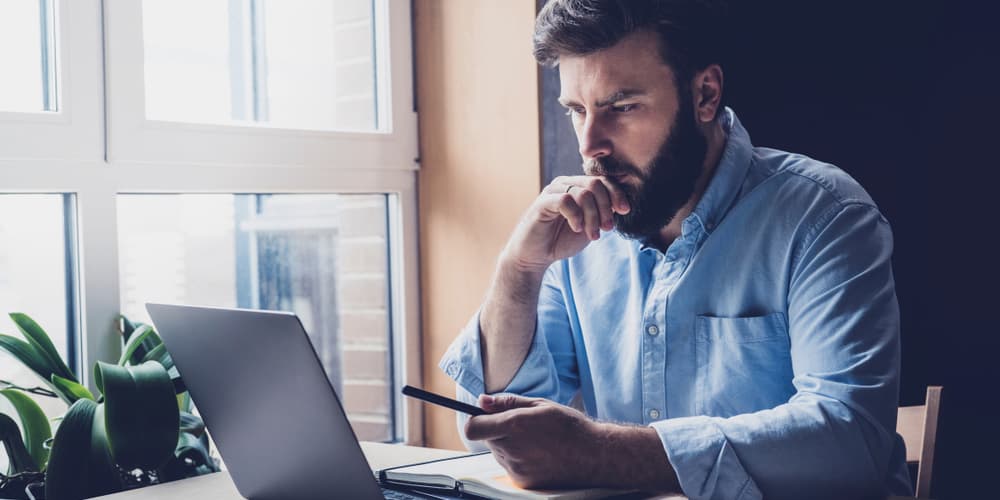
(266, 399)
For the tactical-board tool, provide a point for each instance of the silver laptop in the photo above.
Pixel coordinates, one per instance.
(265, 397)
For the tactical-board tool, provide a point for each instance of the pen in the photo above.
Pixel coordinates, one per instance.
(440, 400)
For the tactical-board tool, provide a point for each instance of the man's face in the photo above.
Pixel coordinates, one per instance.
(635, 128)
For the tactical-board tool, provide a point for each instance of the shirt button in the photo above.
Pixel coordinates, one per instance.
(652, 330)
(452, 370)
(654, 414)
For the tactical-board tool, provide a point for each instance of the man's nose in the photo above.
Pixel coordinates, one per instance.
(593, 138)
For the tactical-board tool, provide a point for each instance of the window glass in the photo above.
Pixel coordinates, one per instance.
(27, 56)
(33, 279)
(324, 257)
(301, 64)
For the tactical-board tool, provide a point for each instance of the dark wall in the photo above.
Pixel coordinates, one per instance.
(903, 96)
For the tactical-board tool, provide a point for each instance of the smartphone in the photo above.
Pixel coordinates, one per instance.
(440, 400)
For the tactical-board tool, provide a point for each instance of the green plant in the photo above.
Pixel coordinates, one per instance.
(138, 429)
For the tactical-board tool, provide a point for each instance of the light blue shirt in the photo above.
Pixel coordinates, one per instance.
(763, 346)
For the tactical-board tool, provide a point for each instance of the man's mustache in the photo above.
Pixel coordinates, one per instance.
(607, 166)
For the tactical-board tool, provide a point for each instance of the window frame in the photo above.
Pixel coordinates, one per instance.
(96, 163)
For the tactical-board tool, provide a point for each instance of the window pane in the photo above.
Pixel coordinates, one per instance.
(324, 257)
(26, 56)
(187, 60)
(302, 64)
(33, 279)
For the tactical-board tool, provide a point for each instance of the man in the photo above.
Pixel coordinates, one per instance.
(726, 314)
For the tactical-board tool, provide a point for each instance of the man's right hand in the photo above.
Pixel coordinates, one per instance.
(568, 214)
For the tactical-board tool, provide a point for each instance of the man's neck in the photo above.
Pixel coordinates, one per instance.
(715, 135)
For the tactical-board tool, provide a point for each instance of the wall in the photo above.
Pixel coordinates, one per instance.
(477, 95)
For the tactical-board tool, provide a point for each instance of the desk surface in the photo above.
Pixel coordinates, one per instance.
(220, 486)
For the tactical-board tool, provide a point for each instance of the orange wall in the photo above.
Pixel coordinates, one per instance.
(477, 91)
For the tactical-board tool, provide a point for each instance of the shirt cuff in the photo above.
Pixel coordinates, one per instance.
(705, 463)
(463, 362)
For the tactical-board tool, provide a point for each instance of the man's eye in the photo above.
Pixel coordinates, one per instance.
(624, 108)
(574, 111)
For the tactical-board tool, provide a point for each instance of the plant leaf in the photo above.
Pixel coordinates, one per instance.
(141, 414)
(40, 340)
(26, 353)
(127, 327)
(67, 474)
(192, 424)
(72, 390)
(104, 476)
(135, 341)
(160, 355)
(17, 455)
(35, 424)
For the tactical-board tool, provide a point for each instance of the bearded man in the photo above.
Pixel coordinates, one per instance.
(725, 315)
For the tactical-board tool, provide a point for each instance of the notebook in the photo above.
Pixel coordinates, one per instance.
(478, 474)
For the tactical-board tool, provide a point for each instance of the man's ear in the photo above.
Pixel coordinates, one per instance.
(706, 88)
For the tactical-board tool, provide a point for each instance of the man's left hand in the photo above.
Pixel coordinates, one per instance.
(541, 444)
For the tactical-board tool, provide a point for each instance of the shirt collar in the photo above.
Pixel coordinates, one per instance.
(727, 179)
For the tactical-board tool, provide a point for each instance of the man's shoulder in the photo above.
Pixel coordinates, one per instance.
(798, 179)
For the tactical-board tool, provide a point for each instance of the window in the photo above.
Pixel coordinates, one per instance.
(322, 256)
(299, 64)
(27, 55)
(37, 277)
(257, 153)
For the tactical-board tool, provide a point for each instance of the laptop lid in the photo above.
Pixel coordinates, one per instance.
(265, 397)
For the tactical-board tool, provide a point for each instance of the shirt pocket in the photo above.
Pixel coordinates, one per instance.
(743, 364)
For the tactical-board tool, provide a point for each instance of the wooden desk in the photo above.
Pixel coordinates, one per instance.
(220, 487)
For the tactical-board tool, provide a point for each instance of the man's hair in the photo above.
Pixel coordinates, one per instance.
(691, 32)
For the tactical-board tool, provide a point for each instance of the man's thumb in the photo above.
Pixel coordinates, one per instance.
(501, 402)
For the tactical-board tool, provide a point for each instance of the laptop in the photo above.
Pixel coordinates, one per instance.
(266, 399)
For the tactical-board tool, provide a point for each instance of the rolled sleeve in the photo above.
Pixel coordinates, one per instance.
(463, 362)
(705, 463)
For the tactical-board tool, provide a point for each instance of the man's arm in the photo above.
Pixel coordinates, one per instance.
(507, 322)
(546, 445)
(568, 214)
(835, 436)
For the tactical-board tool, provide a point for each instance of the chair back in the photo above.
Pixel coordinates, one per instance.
(918, 427)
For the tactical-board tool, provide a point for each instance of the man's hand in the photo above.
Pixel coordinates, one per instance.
(540, 443)
(568, 214)
(546, 445)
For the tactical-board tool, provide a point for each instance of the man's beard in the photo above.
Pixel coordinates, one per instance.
(665, 185)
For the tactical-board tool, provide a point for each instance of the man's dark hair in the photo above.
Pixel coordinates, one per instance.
(690, 31)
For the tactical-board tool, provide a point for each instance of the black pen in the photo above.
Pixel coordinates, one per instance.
(440, 400)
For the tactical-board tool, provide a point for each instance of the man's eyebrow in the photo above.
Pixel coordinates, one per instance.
(612, 98)
(618, 96)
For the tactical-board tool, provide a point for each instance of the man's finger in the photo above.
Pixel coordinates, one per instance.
(618, 199)
(487, 427)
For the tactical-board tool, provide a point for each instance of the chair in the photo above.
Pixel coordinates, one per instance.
(918, 427)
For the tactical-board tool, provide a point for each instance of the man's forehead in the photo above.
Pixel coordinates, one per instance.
(634, 65)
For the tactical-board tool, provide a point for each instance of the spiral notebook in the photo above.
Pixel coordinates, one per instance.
(480, 475)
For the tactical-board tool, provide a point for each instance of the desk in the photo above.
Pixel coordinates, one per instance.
(220, 487)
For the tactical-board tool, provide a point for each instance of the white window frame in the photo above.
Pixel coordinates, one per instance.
(73, 151)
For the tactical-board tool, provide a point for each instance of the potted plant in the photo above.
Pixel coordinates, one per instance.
(138, 429)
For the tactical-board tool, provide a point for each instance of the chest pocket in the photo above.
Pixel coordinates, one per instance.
(744, 364)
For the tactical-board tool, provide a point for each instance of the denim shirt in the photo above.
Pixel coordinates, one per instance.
(763, 345)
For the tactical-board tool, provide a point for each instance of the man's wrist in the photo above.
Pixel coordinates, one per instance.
(514, 266)
(633, 458)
